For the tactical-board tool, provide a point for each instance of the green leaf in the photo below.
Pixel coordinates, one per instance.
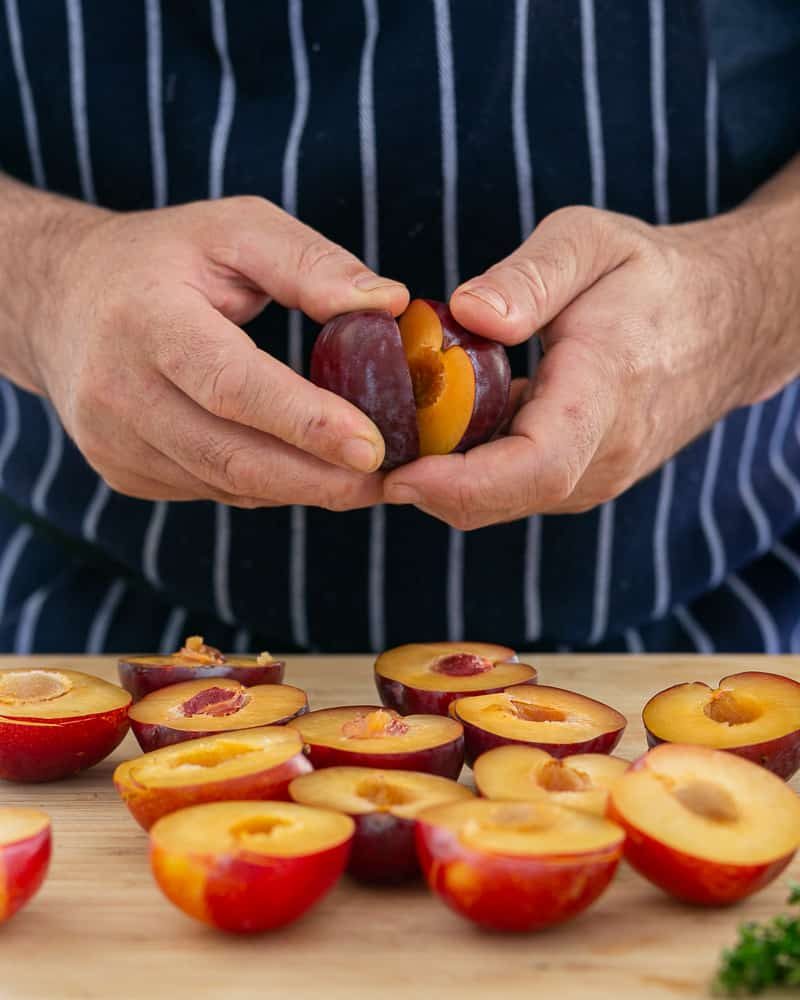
(766, 955)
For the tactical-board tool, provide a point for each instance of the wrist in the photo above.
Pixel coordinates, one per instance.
(741, 269)
(43, 232)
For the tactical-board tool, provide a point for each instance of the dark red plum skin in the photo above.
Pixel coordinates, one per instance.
(492, 376)
(477, 741)
(409, 700)
(49, 752)
(445, 760)
(781, 755)
(384, 849)
(360, 357)
(141, 679)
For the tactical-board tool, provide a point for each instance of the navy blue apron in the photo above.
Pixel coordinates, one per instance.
(427, 137)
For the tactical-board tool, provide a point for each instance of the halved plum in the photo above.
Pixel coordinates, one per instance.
(425, 677)
(705, 825)
(249, 866)
(368, 736)
(753, 714)
(383, 805)
(561, 722)
(517, 866)
(252, 764)
(197, 709)
(429, 385)
(142, 675)
(527, 774)
(54, 722)
(25, 840)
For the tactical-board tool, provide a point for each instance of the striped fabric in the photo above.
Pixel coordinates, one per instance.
(427, 137)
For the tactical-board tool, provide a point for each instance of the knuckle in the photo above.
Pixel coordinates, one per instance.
(341, 498)
(229, 464)
(530, 271)
(311, 427)
(173, 352)
(126, 485)
(463, 520)
(245, 503)
(229, 391)
(247, 205)
(318, 252)
(557, 484)
(575, 216)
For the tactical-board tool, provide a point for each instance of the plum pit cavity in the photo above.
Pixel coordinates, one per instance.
(521, 817)
(530, 712)
(427, 376)
(370, 725)
(462, 665)
(257, 833)
(708, 800)
(556, 776)
(211, 756)
(727, 707)
(33, 686)
(215, 702)
(384, 793)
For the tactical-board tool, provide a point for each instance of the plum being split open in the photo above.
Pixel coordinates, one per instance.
(429, 385)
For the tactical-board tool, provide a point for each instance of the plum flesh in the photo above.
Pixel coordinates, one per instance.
(429, 385)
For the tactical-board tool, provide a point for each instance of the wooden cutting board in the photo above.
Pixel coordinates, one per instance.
(100, 928)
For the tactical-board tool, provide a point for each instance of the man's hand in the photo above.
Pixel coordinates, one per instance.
(649, 336)
(129, 324)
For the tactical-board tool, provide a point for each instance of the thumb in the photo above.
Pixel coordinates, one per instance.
(566, 254)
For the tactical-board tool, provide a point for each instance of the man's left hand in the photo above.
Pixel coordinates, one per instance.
(649, 335)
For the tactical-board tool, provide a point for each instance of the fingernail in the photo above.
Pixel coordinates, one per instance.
(361, 455)
(403, 494)
(368, 282)
(488, 296)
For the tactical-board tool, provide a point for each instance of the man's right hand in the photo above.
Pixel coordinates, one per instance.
(129, 324)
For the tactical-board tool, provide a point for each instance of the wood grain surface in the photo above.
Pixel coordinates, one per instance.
(100, 928)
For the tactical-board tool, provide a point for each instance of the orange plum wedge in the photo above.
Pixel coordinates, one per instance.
(202, 708)
(246, 867)
(195, 661)
(252, 764)
(517, 866)
(556, 720)
(705, 825)
(383, 805)
(368, 736)
(429, 385)
(753, 714)
(57, 722)
(527, 774)
(25, 841)
(425, 677)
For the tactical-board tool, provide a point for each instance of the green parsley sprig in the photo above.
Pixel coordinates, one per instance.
(766, 954)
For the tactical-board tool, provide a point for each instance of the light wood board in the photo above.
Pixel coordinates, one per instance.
(100, 927)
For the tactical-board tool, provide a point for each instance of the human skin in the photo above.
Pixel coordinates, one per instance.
(650, 335)
(129, 323)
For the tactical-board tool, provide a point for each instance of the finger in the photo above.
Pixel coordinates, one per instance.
(552, 441)
(165, 480)
(518, 395)
(219, 367)
(566, 254)
(247, 463)
(296, 265)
